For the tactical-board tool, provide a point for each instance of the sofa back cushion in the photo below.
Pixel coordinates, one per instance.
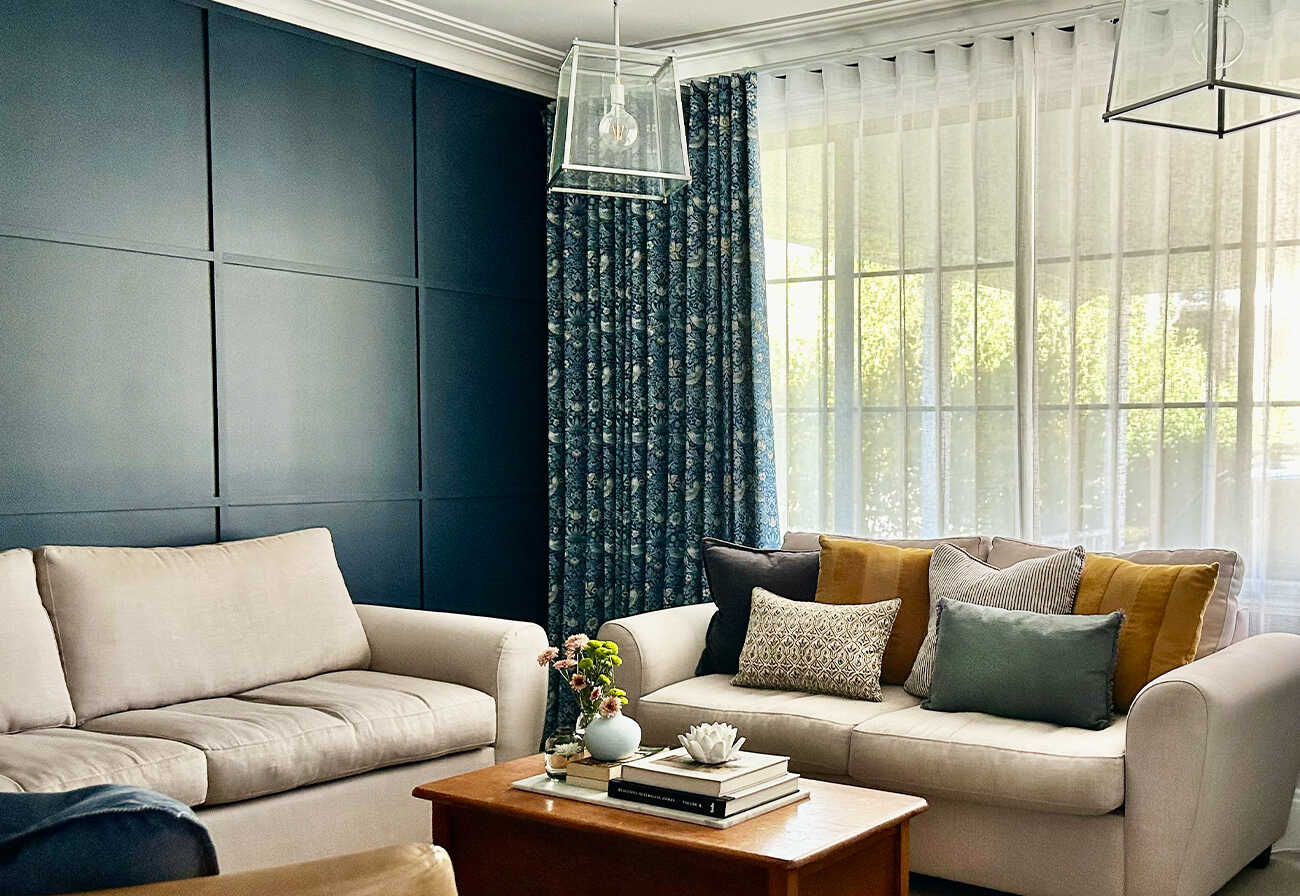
(975, 545)
(32, 691)
(1220, 621)
(146, 627)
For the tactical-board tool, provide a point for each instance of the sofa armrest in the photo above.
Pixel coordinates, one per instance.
(658, 648)
(496, 656)
(1210, 768)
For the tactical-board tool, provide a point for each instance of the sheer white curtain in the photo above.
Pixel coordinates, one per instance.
(990, 312)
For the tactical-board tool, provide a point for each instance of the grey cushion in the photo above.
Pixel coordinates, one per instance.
(814, 647)
(1038, 666)
(32, 690)
(1045, 585)
(146, 627)
(282, 736)
(812, 729)
(67, 758)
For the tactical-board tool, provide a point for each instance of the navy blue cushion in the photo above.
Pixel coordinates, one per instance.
(98, 837)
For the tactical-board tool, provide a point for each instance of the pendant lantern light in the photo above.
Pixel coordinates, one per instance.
(1213, 66)
(619, 129)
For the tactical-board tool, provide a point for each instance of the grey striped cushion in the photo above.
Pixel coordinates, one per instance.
(1042, 585)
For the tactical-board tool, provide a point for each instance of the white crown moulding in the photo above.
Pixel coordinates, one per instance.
(415, 31)
(418, 32)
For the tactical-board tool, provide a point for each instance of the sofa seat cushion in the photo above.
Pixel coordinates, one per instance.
(986, 759)
(52, 759)
(288, 735)
(812, 729)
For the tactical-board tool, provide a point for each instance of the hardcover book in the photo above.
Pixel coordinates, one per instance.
(600, 773)
(676, 770)
(713, 806)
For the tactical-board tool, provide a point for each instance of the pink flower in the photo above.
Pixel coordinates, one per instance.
(578, 681)
(611, 705)
(547, 655)
(575, 643)
(594, 696)
(561, 665)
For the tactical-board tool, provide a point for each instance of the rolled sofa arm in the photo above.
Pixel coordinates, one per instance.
(658, 648)
(1210, 767)
(496, 656)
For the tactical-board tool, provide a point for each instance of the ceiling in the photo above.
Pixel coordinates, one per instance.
(555, 23)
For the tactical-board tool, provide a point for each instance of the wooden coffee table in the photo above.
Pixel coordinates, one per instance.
(847, 841)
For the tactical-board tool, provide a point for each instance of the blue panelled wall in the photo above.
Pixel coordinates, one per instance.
(255, 279)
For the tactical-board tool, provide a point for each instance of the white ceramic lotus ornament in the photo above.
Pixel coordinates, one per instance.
(712, 743)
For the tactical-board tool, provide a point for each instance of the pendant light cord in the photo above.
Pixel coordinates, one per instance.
(618, 49)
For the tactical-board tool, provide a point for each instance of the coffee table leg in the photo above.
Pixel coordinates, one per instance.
(903, 860)
(781, 882)
(441, 826)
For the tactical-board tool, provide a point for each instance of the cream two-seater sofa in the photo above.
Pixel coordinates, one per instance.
(1171, 800)
(240, 678)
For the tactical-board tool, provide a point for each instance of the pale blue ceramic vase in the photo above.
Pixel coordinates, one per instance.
(611, 738)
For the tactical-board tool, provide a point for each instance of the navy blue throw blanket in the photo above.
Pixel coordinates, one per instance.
(96, 838)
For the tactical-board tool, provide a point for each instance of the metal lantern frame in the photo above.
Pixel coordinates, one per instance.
(1212, 81)
(664, 67)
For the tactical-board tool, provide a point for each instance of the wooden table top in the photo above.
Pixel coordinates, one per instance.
(836, 816)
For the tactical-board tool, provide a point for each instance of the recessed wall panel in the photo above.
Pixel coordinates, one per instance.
(102, 126)
(105, 377)
(319, 386)
(377, 542)
(483, 182)
(486, 396)
(125, 528)
(312, 151)
(486, 556)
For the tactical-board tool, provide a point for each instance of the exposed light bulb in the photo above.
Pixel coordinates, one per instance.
(1232, 42)
(618, 128)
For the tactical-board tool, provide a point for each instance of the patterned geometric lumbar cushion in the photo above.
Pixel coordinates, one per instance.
(820, 648)
(1042, 585)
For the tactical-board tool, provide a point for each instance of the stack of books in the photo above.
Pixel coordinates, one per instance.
(673, 780)
(596, 774)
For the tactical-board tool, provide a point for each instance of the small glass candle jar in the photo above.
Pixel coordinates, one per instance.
(562, 747)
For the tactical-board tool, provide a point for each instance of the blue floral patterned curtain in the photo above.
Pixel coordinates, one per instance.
(659, 394)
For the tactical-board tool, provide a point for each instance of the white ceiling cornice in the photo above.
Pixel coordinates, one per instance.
(418, 32)
(874, 24)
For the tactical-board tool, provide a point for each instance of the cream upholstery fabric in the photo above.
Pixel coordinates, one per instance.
(495, 656)
(658, 649)
(1221, 613)
(287, 735)
(64, 759)
(986, 759)
(145, 627)
(812, 729)
(1213, 757)
(975, 545)
(1018, 851)
(361, 812)
(32, 691)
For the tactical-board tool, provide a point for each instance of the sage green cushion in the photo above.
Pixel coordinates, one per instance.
(1045, 667)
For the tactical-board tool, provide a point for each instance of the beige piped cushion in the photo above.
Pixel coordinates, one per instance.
(146, 627)
(32, 691)
(55, 759)
(975, 545)
(812, 729)
(1220, 621)
(288, 735)
(980, 758)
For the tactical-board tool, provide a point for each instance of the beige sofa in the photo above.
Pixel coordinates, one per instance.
(240, 679)
(1171, 800)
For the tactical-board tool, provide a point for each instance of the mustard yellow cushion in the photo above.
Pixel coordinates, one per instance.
(867, 572)
(1163, 609)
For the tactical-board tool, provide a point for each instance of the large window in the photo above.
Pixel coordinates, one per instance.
(990, 312)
